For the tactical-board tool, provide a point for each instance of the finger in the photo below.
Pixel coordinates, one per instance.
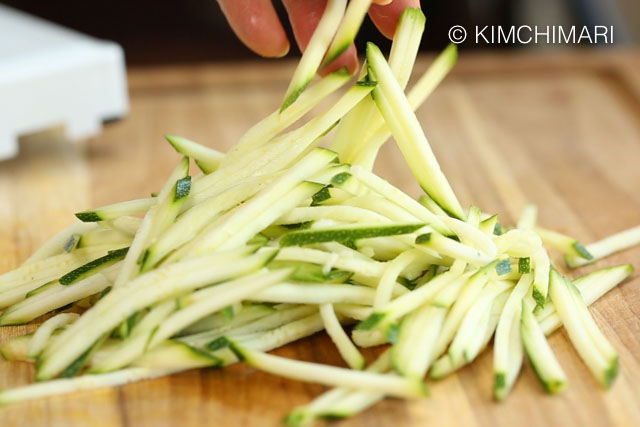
(256, 24)
(386, 17)
(304, 16)
(348, 59)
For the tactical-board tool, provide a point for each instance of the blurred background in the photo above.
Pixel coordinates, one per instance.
(187, 31)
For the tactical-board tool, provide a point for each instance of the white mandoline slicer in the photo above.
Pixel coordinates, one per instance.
(52, 76)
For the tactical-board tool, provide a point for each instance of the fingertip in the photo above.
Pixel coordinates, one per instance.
(304, 16)
(257, 25)
(386, 17)
(348, 59)
(284, 50)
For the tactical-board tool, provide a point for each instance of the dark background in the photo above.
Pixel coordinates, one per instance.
(179, 31)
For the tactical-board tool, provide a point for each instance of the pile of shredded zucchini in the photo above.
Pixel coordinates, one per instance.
(279, 239)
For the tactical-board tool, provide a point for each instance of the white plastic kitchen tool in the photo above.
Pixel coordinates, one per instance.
(51, 76)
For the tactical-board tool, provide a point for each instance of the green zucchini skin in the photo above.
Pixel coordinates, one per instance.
(346, 234)
(94, 266)
(544, 363)
(207, 159)
(312, 273)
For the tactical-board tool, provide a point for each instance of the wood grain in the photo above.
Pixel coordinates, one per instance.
(559, 131)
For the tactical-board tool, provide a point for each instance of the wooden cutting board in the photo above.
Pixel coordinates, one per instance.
(560, 131)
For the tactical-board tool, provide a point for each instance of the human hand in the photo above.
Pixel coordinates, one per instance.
(256, 24)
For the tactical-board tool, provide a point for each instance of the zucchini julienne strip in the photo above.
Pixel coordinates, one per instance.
(39, 272)
(141, 292)
(406, 303)
(605, 247)
(568, 245)
(93, 267)
(508, 351)
(411, 354)
(353, 311)
(349, 262)
(101, 236)
(47, 276)
(266, 205)
(349, 130)
(116, 210)
(405, 46)
(135, 344)
(176, 356)
(467, 296)
(284, 150)
(447, 296)
(298, 195)
(371, 338)
(346, 348)
(265, 340)
(528, 217)
(541, 267)
(405, 127)
(308, 293)
(350, 138)
(336, 213)
(391, 273)
(340, 402)
(69, 385)
(57, 245)
(45, 331)
(273, 338)
(248, 313)
(194, 220)
(444, 366)
(477, 315)
(277, 121)
(543, 361)
(207, 159)
(215, 298)
(436, 72)
(16, 348)
(592, 286)
(485, 330)
(330, 375)
(416, 97)
(312, 273)
(593, 347)
(399, 198)
(488, 225)
(380, 205)
(452, 248)
(469, 234)
(274, 321)
(170, 358)
(428, 203)
(155, 221)
(125, 224)
(518, 243)
(315, 51)
(346, 234)
(56, 296)
(346, 33)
